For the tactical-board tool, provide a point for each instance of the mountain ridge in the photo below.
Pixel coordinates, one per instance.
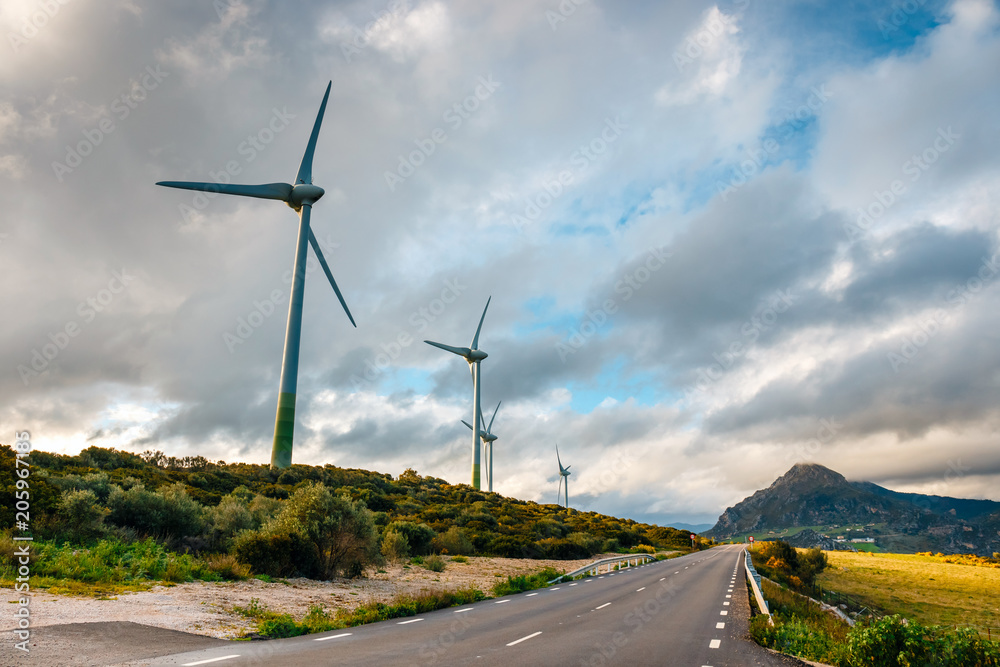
(812, 495)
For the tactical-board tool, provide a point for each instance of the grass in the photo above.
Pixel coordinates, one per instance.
(524, 582)
(921, 587)
(111, 566)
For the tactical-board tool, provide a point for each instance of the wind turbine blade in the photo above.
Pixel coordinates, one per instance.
(558, 459)
(475, 341)
(467, 424)
(305, 174)
(489, 429)
(460, 351)
(279, 191)
(326, 268)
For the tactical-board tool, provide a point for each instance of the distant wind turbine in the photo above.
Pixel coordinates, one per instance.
(473, 355)
(564, 474)
(488, 439)
(301, 196)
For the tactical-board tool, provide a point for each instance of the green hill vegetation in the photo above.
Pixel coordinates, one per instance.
(116, 517)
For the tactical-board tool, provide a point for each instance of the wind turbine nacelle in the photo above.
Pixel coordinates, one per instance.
(476, 355)
(305, 193)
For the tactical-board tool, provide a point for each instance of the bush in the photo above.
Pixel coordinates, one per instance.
(227, 567)
(434, 563)
(453, 541)
(278, 554)
(419, 538)
(523, 582)
(394, 546)
(81, 516)
(342, 531)
(780, 561)
(459, 559)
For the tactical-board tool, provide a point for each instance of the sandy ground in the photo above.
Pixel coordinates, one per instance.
(207, 608)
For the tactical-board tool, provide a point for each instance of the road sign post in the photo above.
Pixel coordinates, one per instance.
(751, 542)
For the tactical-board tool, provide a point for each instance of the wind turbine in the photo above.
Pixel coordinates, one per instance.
(301, 196)
(564, 474)
(474, 356)
(488, 438)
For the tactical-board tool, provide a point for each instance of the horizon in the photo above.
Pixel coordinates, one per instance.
(719, 239)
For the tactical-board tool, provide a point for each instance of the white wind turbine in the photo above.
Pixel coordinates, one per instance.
(473, 355)
(488, 439)
(301, 196)
(564, 474)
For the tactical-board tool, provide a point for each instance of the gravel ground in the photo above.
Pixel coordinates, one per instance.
(207, 608)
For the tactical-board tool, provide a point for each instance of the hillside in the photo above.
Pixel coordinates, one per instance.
(812, 496)
(201, 506)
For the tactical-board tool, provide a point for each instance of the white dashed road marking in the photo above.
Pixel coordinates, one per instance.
(714, 643)
(639, 590)
(501, 601)
(205, 662)
(522, 639)
(723, 613)
(459, 611)
(344, 634)
(602, 606)
(412, 620)
(719, 626)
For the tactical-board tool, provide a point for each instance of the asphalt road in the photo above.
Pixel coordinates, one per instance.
(691, 610)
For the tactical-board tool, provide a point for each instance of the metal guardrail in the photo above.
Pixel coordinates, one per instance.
(754, 580)
(595, 567)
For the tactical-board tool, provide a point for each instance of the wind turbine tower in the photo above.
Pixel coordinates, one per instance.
(301, 196)
(488, 438)
(564, 474)
(474, 356)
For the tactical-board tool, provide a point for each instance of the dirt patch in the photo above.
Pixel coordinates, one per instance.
(207, 608)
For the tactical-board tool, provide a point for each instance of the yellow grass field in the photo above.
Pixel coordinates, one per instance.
(920, 587)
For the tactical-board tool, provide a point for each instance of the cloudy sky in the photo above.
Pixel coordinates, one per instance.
(720, 239)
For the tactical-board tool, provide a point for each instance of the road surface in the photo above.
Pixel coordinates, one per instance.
(691, 610)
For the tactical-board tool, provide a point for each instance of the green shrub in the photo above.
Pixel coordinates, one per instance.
(228, 567)
(81, 515)
(459, 559)
(453, 541)
(277, 554)
(342, 531)
(394, 546)
(434, 563)
(522, 582)
(419, 537)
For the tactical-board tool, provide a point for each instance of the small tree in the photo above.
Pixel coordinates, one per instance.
(81, 514)
(394, 546)
(342, 530)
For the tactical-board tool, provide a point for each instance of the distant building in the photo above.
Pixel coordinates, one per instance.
(868, 540)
